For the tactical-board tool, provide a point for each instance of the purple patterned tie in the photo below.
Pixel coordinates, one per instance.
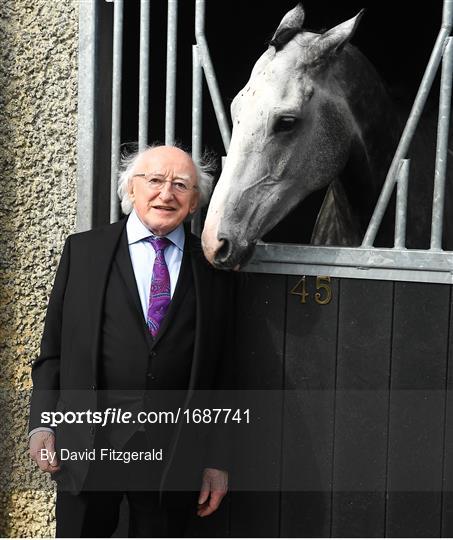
(159, 294)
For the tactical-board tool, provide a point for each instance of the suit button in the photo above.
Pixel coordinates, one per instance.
(92, 431)
(153, 353)
(151, 376)
(93, 387)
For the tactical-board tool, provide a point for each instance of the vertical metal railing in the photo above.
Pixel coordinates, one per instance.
(202, 63)
(197, 121)
(170, 98)
(209, 72)
(401, 205)
(409, 130)
(86, 110)
(442, 146)
(116, 106)
(197, 104)
(143, 92)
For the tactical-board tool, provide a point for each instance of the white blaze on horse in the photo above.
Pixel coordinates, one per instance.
(314, 109)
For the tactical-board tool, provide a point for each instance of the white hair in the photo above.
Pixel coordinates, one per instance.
(205, 177)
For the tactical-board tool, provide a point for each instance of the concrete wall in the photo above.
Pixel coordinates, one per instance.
(38, 126)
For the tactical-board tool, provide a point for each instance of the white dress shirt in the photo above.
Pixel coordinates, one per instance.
(143, 255)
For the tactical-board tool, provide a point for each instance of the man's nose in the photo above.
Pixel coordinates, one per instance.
(166, 193)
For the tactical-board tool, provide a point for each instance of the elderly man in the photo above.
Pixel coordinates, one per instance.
(135, 319)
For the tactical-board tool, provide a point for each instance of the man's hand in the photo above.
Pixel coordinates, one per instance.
(214, 487)
(46, 460)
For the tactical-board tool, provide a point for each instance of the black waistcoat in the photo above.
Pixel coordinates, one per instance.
(133, 366)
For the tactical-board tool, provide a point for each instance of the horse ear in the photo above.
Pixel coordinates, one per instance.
(290, 25)
(335, 39)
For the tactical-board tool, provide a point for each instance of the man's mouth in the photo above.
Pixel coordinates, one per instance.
(165, 208)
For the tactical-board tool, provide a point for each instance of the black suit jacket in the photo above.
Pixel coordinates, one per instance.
(65, 375)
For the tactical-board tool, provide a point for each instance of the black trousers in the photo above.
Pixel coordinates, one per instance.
(95, 511)
(95, 514)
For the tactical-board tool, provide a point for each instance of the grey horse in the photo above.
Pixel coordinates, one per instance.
(314, 114)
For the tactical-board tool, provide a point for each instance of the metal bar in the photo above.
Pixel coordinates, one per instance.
(86, 125)
(368, 263)
(197, 119)
(197, 104)
(401, 205)
(416, 259)
(447, 15)
(392, 274)
(209, 72)
(442, 146)
(143, 93)
(116, 106)
(170, 103)
(411, 125)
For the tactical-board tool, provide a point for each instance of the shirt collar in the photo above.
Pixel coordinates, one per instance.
(136, 231)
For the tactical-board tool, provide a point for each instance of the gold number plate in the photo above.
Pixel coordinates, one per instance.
(323, 294)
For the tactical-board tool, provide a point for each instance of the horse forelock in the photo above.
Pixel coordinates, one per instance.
(302, 36)
(284, 38)
(308, 48)
(312, 49)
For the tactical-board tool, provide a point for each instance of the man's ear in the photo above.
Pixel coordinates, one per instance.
(130, 189)
(194, 204)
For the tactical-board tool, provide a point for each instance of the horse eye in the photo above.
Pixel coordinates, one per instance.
(285, 123)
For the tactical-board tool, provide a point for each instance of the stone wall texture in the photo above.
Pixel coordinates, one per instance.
(38, 127)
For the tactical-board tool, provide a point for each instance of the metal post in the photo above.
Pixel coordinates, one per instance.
(401, 205)
(143, 94)
(170, 103)
(442, 146)
(86, 126)
(209, 72)
(447, 15)
(197, 104)
(116, 106)
(197, 118)
(411, 125)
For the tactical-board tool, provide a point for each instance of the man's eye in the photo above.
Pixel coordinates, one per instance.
(180, 185)
(155, 181)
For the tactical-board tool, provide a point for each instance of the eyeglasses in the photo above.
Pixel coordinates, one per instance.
(157, 184)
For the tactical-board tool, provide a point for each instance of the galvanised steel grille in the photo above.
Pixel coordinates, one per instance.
(397, 263)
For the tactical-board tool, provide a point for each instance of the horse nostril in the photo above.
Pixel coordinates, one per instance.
(224, 251)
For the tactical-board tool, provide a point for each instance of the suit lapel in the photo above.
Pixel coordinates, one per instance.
(104, 245)
(126, 270)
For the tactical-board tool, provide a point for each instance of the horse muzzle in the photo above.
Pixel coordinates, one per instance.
(223, 253)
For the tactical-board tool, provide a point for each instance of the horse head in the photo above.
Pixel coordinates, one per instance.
(291, 136)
